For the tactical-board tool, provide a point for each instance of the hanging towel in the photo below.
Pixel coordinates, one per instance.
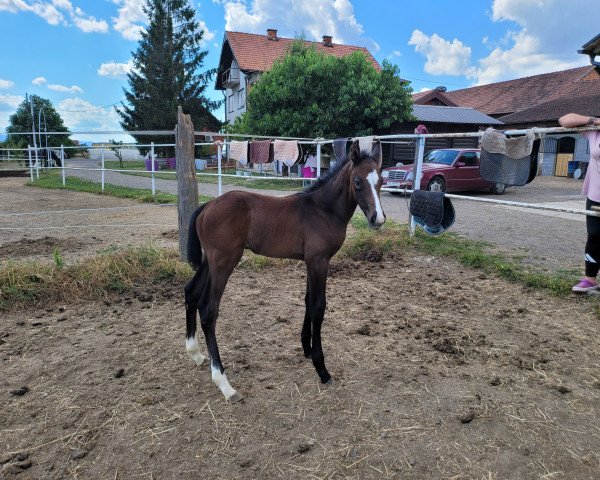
(285, 151)
(365, 144)
(239, 151)
(339, 148)
(509, 161)
(260, 151)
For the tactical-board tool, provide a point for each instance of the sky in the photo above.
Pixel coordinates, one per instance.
(76, 53)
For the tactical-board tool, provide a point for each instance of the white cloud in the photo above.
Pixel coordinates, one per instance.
(80, 115)
(39, 81)
(396, 53)
(88, 25)
(208, 35)
(546, 40)
(48, 12)
(113, 69)
(13, 6)
(12, 101)
(315, 18)
(6, 83)
(424, 89)
(130, 15)
(55, 12)
(443, 57)
(523, 59)
(62, 88)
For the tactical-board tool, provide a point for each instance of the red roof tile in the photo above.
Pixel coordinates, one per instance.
(257, 53)
(424, 98)
(582, 97)
(504, 98)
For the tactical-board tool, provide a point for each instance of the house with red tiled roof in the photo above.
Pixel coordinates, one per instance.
(535, 101)
(244, 56)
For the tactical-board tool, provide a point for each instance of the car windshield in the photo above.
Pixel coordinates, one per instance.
(441, 156)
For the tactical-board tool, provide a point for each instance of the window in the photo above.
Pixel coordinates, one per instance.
(231, 102)
(469, 159)
(241, 98)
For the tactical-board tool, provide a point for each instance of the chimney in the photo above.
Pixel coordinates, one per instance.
(271, 34)
(327, 41)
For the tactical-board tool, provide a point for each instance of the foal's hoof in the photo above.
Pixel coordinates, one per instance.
(331, 381)
(235, 398)
(200, 359)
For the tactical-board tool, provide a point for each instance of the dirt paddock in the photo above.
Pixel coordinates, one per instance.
(441, 372)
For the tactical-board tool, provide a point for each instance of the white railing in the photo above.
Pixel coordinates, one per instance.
(35, 166)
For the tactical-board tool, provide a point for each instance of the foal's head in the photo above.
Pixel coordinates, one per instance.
(365, 182)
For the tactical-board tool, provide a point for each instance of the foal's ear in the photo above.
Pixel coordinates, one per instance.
(376, 153)
(355, 152)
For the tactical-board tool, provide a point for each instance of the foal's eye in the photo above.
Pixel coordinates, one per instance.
(357, 183)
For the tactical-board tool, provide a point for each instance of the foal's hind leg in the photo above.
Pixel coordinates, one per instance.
(209, 311)
(193, 292)
(306, 327)
(317, 272)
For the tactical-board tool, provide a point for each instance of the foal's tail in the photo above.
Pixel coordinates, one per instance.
(194, 248)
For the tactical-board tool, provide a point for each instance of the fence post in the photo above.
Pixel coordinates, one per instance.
(187, 186)
(30, 162)
(417, 174)
(37, 164)
(102, 171)
(152, 168)
(319, 160)
(62, 163)
(219, 163)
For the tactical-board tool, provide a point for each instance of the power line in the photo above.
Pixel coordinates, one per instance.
(435, 81)
(92, 109)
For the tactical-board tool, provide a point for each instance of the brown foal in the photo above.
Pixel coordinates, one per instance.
(309, 225)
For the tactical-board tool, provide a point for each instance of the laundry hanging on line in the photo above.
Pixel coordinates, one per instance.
(261, 151)
(286, 151)
(238, 150)
(340, 146)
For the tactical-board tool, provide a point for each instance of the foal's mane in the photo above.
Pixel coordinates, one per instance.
(333, 173)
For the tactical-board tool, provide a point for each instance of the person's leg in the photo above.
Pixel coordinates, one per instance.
(592, 252)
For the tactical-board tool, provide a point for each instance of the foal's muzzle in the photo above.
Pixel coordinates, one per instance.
(375, 222)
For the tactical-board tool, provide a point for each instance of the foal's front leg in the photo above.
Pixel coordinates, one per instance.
(317, 273)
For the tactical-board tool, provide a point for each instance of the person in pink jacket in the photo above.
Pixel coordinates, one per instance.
(591, 189)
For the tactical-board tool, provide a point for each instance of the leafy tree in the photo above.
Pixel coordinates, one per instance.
(312, 94)
(167, 73)
(20, 122)
(117, 146)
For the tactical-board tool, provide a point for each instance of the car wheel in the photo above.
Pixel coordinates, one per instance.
(498, 188)
(436, 184)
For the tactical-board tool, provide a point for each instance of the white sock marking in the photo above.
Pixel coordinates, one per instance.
(191, 346)
(373, 178)
(220, 380)
(589, 258)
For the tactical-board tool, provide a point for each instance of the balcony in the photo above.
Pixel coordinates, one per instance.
(230, 77)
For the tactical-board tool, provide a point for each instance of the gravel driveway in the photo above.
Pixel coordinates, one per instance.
(547, 239)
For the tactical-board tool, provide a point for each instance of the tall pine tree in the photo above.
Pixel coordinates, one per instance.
(167, 73)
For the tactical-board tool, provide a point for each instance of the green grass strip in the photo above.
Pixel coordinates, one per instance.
(54, 181)
(254, 181)
(395, 237)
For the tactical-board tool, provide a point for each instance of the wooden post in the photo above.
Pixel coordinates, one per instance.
(187, 187)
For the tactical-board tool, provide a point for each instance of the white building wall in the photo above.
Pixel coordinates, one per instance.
(235, 97)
